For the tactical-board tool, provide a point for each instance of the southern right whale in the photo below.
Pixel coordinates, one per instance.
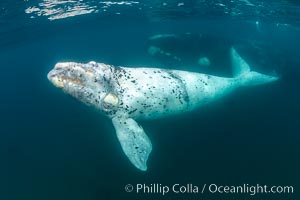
(129, 94)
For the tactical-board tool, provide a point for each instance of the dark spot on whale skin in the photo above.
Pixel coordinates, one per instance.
(147, 106)
(104, 78)
(110, 112)
(117, 69)
(132, 111)
(186, 98)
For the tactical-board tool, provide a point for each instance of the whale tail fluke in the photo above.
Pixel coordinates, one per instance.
(243, 73)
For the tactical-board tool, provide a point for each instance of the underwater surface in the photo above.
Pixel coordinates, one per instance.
(54, 147)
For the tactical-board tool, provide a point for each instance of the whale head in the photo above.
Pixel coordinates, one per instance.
(89, 83)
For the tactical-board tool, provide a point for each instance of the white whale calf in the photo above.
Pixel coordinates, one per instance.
(129, 94)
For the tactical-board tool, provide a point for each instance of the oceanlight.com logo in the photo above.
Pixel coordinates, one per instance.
(157, 188)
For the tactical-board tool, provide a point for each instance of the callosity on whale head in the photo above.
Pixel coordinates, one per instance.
(86, 82)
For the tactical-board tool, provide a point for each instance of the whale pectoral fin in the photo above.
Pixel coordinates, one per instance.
(134, 141)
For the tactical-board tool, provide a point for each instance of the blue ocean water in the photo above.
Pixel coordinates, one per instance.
(53, 147)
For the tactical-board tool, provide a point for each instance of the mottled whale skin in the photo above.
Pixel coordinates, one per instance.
(129, 94)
